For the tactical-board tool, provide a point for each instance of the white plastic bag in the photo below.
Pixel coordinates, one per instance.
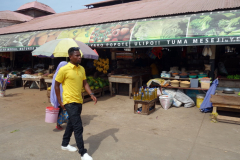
(188, 102)
(176, 103)
(172, 92)
(166, 101)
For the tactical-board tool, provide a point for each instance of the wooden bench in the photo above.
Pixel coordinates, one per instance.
(226, 103)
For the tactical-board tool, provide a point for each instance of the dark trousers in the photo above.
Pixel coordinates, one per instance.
(74, 124)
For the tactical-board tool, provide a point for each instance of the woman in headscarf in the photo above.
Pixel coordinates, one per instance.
(62, 116)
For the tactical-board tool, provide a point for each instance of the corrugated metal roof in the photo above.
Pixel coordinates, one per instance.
(120, 12)
(101, 2)
(13, 16)
(36, 5)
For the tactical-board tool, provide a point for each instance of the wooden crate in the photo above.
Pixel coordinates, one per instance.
(87, 98)
(146, 105)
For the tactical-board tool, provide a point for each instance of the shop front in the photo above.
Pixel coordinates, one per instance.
(184, 48)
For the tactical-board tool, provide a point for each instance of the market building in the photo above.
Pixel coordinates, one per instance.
(185, 39)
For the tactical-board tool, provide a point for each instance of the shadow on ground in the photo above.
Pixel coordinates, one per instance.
(94, 141)
(13, 94)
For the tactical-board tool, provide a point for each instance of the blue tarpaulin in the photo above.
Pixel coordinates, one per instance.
(206, 105)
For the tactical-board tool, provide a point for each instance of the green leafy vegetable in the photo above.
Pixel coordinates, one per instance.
(233, 76)
(161, 29)
(201, 24)
(229, 25)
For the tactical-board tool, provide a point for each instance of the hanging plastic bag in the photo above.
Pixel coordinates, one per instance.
(222, 69)
(209, 51)
(205, 51)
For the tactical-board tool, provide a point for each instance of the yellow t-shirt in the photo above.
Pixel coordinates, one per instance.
(71, 78)
(154, 69)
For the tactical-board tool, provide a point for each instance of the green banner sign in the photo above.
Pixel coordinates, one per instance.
(210, 28)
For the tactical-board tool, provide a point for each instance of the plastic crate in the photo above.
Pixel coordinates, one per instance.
(194, 83)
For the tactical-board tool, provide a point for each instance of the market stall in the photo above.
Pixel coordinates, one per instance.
(184, 52)
(128, 79)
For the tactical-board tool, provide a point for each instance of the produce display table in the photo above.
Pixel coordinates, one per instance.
(173, 78)
(170, 87)
(147, 106)
(199, 88)
(29, 81)
(106, 88)
(48, 81)
(125, 79)
(226, 102)
(14, 82)
(97, 93)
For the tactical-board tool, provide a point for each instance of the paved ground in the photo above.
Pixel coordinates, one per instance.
(113, 132)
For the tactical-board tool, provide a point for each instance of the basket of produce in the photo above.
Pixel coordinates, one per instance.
(205, 79)
(50, 75)
(193, 75)
(185, 84)
(202, 75)
(175, 74)
(183, 75)
(175, 83)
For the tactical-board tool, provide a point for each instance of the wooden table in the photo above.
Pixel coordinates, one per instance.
(29, 81)
(47, 81)
(226, 102)
(125, 79)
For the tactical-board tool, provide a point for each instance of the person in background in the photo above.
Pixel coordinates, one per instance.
(62, 116)
(90, 69)
(39, 65)
(72, 77)
(139, 61)
(154, 70)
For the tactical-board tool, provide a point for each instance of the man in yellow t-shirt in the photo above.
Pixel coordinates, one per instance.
(72, 77)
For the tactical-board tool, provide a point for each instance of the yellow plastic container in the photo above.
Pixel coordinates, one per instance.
(200, 98)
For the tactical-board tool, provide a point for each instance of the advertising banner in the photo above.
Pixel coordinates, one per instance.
(209, 28)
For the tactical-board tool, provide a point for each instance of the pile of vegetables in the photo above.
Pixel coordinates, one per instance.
(215, 24)
(96, 83)
(237, 76)
(160, 29)
(102, 65)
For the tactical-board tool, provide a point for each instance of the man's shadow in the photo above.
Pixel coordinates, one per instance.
(95, 140)
(86, 119)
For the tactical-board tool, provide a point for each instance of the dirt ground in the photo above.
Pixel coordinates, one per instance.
(113, 132)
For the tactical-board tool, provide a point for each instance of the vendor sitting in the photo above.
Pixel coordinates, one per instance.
(139, 61)
(39, 65)
(155, 72)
